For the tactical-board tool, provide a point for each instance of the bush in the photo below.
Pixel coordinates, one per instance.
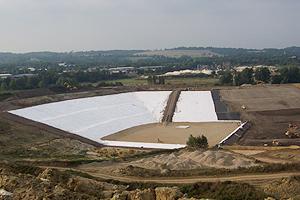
(263, 74)
(223, 191)
(276, 79)
(199, 142)
(226, 78)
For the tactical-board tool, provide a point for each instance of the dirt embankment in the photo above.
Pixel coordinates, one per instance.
(45, 128)
(25, 98)
(27, 140)
(31, 98)
(171, 106)
(172, 164)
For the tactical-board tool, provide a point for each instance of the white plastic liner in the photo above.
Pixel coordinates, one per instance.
(195, 106)
(143, 145)
(96, 117)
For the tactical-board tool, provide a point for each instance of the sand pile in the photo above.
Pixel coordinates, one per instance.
(184, 160)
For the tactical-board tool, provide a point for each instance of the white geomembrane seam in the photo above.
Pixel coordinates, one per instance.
(96, 117)
(195, 106)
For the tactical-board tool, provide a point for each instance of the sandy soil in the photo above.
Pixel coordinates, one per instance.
(269, 108)
(248, 152)
(185, 160)
(261, 98)
(249, 178)
(279, 156)
(175, 133)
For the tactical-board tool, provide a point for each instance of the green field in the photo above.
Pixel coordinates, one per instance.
(192, 81)
(129, 81)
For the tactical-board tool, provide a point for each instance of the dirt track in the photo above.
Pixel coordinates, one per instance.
(171, 106)
(190, 180)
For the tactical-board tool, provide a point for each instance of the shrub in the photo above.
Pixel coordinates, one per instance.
(226, 78)
(199, 142)
(223, 191)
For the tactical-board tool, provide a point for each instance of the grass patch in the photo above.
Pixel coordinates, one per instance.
(212, 190)
(128, 81)
(81, 174)
(268, 168)
(22, 169)
(150, 153)
(192, 81)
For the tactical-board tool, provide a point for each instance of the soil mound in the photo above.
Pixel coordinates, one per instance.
(184, 160)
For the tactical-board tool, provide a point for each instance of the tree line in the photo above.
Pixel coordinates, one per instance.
(48, 79)
(263, 74)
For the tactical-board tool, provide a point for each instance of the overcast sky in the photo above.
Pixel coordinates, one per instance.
(65, 25)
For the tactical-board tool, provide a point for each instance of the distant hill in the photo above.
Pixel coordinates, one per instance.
(176, 53)
(292, 51)
(184, 56)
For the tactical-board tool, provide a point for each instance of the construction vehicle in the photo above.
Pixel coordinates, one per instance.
(293, 131)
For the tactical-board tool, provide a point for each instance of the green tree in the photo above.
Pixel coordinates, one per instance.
(290, 74)
(156, 80)
(244, 77)
(42, 84)
(199, 142)
(65, 82)
(21, 83)
(276, 79)
(150, 80)
(213, 73)
(262, 74)
(161, 80)
(13, 84)
(226, 78)
(4, 86)
(32, 82)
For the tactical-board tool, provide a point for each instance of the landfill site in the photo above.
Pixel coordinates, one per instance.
(131, 143)
(251, 116)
